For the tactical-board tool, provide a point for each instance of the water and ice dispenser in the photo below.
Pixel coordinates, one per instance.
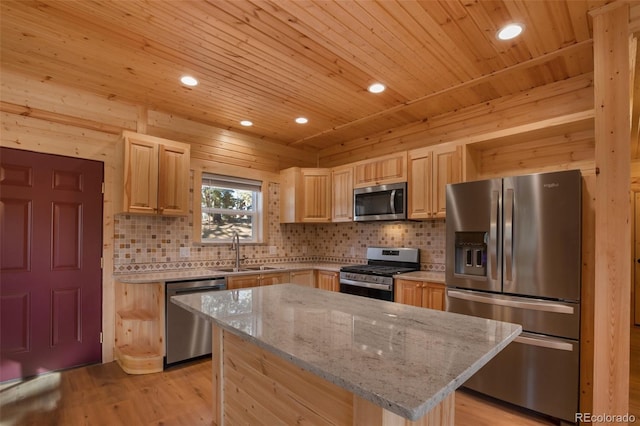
(471, 253)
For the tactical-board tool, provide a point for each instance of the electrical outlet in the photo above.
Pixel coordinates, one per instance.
(185, 251)
(304, 250)
(352, 251)
(273, 250)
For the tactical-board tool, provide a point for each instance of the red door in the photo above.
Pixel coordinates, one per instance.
(50, 272)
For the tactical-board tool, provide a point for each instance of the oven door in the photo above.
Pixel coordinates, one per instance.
(373, 291)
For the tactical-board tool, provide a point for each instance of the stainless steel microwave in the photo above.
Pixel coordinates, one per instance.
(382, 202)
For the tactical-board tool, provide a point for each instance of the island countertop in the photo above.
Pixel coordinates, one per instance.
(402, 358)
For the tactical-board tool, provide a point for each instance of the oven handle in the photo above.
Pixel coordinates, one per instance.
(386, 287)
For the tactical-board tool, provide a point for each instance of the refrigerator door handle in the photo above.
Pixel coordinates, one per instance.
(533, 340)
(507, 301)
(508, 235)
(493, 235)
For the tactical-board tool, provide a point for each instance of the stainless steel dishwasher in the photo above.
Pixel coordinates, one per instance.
(187, 336)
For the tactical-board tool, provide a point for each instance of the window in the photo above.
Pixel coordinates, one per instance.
(229, 205)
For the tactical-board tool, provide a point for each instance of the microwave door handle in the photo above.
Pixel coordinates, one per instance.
(392, 202)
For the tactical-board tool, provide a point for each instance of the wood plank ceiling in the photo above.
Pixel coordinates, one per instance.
(272, 61)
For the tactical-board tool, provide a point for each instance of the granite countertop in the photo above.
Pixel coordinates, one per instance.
(402, 358)
(432, 277)
(211, 272)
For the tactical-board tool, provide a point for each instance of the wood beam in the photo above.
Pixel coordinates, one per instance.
(612, 207)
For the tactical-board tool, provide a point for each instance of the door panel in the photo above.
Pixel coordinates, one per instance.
(66, 236)
(50, 273)
(541, 253)
(16, 231)
(474, 215)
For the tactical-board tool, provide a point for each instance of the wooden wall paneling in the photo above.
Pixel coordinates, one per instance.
(552, 105)
(565, 151)
(46, 99)
(222, 145)
(612, 232)
(36, 135)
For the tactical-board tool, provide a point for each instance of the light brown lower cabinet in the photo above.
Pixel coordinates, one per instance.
(420, 293)
(235, 282)
(328, 280)
(305, 278)
(274, 278)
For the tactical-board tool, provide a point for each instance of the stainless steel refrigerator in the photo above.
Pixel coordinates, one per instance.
(513, 254)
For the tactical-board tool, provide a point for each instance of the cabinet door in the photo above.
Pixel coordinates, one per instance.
(420, 186)
(274, 278)
(242, 281)
(388, 169)
(408, 292)
(433, 296)
(446, 169)
(140, 176)
(316, 185)
(328, 280)
(342, 205)
(305, 278)
(173, 182)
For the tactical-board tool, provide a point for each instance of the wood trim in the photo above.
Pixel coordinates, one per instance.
(612, 206)
(587, 293)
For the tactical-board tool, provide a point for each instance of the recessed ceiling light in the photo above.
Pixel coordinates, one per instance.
(302, 120)
(376, 88)
(246, 123)
(187, 80)
(510, 31)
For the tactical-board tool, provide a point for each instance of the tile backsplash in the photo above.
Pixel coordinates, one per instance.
(150, 243)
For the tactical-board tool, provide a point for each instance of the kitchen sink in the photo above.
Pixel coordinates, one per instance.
(247, 268)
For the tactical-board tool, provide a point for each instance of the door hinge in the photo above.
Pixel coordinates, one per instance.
(101, 337)
(102, 263)
(102, 188)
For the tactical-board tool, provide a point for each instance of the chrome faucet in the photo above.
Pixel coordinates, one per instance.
(235, 245)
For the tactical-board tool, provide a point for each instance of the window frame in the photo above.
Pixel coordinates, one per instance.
(260, 212)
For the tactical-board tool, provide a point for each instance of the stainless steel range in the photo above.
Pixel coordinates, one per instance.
(375, 279)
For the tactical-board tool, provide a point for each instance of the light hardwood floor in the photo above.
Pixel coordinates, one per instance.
(105, 395)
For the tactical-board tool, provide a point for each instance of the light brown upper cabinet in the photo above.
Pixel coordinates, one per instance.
(156, 175)
(342, 202)
(380, 170)
(430, 170)
(305, 195)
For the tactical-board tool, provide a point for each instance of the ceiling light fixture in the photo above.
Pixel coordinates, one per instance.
(187, 80)
(246, 123)
(376, 88)
(510, 31)
(302, 120)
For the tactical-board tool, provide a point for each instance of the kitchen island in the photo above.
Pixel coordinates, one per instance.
(287, 354)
